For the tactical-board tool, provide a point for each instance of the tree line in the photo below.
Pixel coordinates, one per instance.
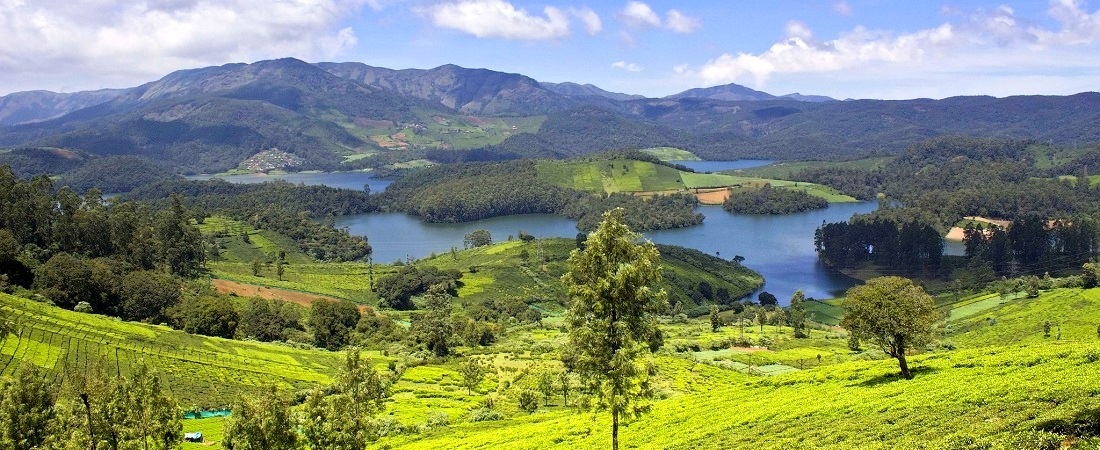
(473, 191)
(769, 200)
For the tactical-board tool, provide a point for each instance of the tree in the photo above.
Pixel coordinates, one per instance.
(179, 243)
(477, 238)
(332, 322)
(434, 328)
(893, 313)
(767, 299)
(211, 316)
(147, 295)
(28, 418)
(262, 422)
(565, 383)
(796, 314)
(715, 319)
(546, 385)
(612, 317)
(472, 371)
(341, 421)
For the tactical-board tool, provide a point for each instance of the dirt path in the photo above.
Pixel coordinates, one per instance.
(250, 290)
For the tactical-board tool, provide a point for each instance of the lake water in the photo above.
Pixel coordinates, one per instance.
(718, 166)
(342, 180)
(779, 247)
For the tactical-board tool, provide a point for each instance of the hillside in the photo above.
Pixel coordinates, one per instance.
(1035, 392)
(329, 114)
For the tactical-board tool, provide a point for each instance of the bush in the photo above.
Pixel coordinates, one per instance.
(437, 419)
(528, 400)
(486, 415)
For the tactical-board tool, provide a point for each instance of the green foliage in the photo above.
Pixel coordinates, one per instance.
(611, 318)
(434, 328)
(768, 200)
(477, 238)
(892, 313)
(342, 420)
(473, 372)
(27, 416)
(397, 290)
(209, 315)
(261, 423)
(332, 323)
(528, 400)
(114, 174)
(147, 296)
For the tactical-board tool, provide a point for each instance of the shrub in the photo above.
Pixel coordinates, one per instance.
(486, 415)
(528, 400)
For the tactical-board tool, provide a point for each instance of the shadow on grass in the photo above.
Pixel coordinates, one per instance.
(896, 376)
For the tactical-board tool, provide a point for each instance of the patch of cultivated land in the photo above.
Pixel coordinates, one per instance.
(644, 177)
(671, 154)
(248, 290)
(785, 170)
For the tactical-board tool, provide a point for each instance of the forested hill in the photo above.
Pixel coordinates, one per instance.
(334, 116)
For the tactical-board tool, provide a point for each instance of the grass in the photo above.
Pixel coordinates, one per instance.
(785, 170)
(609, 176)
(671, 154)
(1004, 379)
(200, 371)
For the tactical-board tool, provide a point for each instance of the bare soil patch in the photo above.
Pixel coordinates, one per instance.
(712, 196)
(250, 290)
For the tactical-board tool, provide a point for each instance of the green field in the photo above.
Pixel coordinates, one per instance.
(432, 130)
(785, 170)
(1005, 382)
(620, 175)
(671, 154)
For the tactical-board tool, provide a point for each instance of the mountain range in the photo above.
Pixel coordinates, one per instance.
(211, 119)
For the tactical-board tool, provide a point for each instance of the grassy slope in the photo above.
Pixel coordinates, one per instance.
(672, 154)
(639, 176)
(200, 371)
(1005, 377)
(785, 170)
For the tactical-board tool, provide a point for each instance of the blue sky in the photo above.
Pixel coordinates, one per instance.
(841, 48)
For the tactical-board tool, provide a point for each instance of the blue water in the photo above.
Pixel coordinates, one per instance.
(779, 247)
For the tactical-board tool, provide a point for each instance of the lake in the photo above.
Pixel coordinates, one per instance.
(779, 247)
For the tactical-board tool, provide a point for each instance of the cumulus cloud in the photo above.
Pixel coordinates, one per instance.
(500, 19)
(591, 20)
(982, 31)
(678, 22)
(639, 15)
(629, 67)
(125, 43)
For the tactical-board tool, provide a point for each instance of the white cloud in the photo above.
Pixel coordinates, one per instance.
(500, 19)
(640, 15)
(591, 20)
(842, 7)
(678, 22)
(49, 40)
(998, 33)
(629, 67)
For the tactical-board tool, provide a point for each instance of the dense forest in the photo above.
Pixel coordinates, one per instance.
(474, 191)
(769, 200)
(938, 182)
(301, 212)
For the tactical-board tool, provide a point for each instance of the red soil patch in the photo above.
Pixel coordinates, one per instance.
(250, 290)
(712, 196)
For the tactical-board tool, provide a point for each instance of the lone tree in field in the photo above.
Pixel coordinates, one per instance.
(472, 371)
(612, 283)
(893, 313)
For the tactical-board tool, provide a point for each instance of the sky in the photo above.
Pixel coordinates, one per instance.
(884, 49)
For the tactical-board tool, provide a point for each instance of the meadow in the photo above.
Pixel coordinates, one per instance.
(622, 175)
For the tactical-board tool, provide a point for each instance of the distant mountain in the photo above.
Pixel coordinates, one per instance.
(36, 106)
(728, 92)
(211, 119)
(467, 91)
(809, 98)
(587, 90)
